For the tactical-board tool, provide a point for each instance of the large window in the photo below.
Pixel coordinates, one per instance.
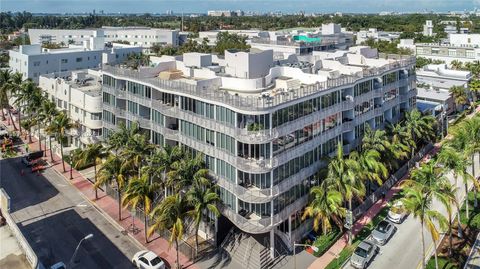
(363, 107)
(225, 115)
(289, 197)
(225, 170)
(225, 142)
(390, 78)
(362, 87)
(228, 198)
(262, 181)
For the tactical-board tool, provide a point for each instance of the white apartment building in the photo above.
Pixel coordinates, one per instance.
(373, 33)
(262, 128)
(329, 37)
(460, 47)
(428, 28)
(137, 36)
(435, 81)
(33, 60)
(79, 93)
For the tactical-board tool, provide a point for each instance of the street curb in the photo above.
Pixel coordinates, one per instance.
(102, 212)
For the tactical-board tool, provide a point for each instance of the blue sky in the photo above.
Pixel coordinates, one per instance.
(160, 6)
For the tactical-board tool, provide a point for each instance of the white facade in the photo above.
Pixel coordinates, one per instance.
(138, 36)
(248, 65)
(435, 81)
(79, 93)
(376, 35)
(244, 124)
(32, 60)
(428, 28)
(460, 47)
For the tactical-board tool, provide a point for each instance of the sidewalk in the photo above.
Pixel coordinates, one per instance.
(342, 242)
(109, 206)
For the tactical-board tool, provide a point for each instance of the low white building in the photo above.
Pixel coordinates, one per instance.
(79, 93)
(435, 81)
(373, 33)
(428, 28)
(33, 60)
(138, 36)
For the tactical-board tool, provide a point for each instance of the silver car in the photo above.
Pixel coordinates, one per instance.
(363, 254)
(383, 232)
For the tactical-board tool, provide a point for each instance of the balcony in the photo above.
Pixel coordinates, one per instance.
(252, 223)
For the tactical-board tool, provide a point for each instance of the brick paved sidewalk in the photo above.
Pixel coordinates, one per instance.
(109, 206)
(341, 243)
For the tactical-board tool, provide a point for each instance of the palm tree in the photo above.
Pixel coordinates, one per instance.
(341, 173)
(159, 163)
(419, 126)
(420, 206)
(48, 112)
(453, 160)
(23, 96)
(325, 207)
(375, 140)
(93, 153)
(459, 95)
(449, 200)
(472, 146)
(141, 191)
(4, 90)
(34, 109)
(474, 87)
(113, 171)
(59, 127)
(204, 200)
(27, 125)
(16, 86)
(186, 172)
(456, 64)
(370, 168)
(170, 215)
(400, 145)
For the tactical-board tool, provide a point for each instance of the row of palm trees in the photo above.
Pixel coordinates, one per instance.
(430, 182)
(35, 110)
(171, 186)
(350, 177)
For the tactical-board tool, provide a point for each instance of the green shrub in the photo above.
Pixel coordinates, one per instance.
(324, 242)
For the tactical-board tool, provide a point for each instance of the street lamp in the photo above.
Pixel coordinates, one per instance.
(70, 263)
(295, 256)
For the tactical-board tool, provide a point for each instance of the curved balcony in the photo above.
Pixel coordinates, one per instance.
(250, 195)
(300, 149)
(258, 225)
(166, 132)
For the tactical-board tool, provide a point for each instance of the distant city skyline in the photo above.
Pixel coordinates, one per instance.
(202, 6)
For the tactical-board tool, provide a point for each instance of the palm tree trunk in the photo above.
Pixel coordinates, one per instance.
(3, 115)
(61, 154)
(19, 122)
(450, 244)
(51, 152)
(30, 135)
(119, 194)
(196, 239)
(95, 176)
(475, 201)
(176, 247)
(423, 246)
(435, 253)
(459, 228)
(466, 201)
(146, 222)
(350, 234)
(11, 119)
(39, 138)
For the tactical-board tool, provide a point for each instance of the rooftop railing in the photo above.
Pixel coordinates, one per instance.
(258, 102)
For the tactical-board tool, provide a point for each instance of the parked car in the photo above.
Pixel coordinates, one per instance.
(147, 260)
(58, 265)
(397, 212)
(383, 232)
(363, 254)
(32, 158)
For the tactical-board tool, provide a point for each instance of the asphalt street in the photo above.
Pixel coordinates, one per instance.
(404, 249)
(54, 216)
